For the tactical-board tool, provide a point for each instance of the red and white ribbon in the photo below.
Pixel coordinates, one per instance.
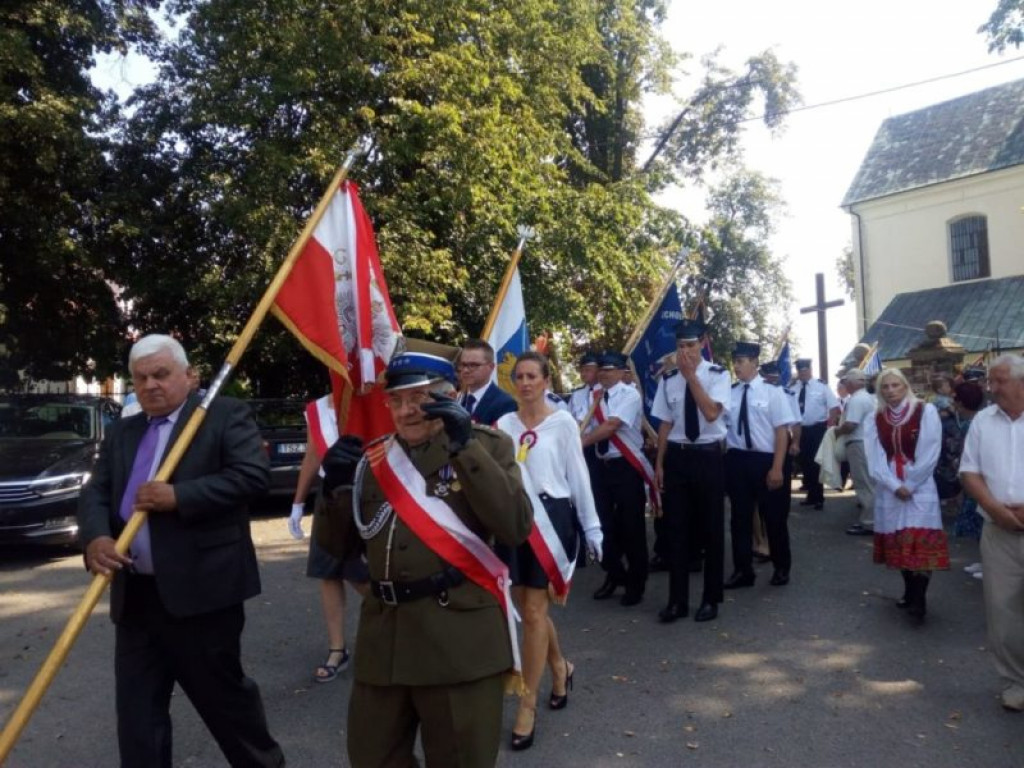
(436, 525)
(323, 426)
(634, 456)
(546, 545)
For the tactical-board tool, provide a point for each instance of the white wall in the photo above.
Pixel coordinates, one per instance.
(905, 237)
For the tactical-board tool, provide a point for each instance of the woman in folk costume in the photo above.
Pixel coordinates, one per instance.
(555, 476)
(902, 446)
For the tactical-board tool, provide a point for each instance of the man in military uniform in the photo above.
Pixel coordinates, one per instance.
(759, 419)
(580, 399)
(619, 488)
(690, 403)
(819, 407)
(434, 639)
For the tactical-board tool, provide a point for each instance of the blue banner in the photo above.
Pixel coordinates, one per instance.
(659, 339)
(785, 365)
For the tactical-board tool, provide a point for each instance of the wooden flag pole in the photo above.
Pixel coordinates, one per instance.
(871, 352)
(30, 701)
(525, 233)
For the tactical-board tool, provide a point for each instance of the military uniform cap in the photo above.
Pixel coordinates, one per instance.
(690, 329)
(746, 349)
(414, 369)
(588, 358)
(974, 373)
(803, 363)
(612, 361)
(770, 368)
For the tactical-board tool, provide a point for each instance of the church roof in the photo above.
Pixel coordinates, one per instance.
(973, 134)
(980, 314)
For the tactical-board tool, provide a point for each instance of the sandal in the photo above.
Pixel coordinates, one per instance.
(326, 672)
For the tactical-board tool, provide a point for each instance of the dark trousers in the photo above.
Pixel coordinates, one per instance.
(459, 724)
(810, 440)
(620, 498)
(746, 480)
(202, 654)
(694, 513)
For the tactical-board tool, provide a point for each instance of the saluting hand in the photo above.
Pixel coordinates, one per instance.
(458, 424)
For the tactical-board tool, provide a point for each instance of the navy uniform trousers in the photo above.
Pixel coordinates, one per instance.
(746, 475)
(694, 511)
(620, 499)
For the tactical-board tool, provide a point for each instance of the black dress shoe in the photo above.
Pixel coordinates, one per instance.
(520, 742)
(780, 578)
(658, 563)
(860, 530)
(632, 597)
(606, 590)
(740, 579)
(673, 611)
(707, 612)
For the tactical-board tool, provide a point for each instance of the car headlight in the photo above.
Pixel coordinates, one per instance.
(53, 485)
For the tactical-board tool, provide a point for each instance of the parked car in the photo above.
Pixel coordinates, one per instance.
(48, 446)
(283, 426)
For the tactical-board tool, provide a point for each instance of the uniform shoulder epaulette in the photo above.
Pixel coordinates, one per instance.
(581, 386)
(717, 369)
(735, 384)
(487, 428)
(377, 441)
(553, 397)
(669, 374)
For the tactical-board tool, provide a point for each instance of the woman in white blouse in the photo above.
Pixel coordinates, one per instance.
(550, 455)
(902, 447)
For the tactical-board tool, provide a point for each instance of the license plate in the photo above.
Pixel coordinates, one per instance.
(291, 448)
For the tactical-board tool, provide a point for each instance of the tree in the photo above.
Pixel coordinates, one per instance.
(847, 275)
(733, 271)
(1005, 26)
(58, 313)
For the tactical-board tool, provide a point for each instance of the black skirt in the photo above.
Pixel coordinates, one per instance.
(523, 567)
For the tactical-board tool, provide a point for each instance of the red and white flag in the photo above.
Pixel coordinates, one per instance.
(335, 300)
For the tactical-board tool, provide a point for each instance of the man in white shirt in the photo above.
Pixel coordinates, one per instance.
(992, 471)
(619, 491)
(758, 417)
(861, 406)
(819, 407)
(690, 404)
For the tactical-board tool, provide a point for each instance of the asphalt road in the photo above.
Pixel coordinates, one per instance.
(823, 672)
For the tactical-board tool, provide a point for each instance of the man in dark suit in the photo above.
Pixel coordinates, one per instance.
(177, 599)
(485, 400)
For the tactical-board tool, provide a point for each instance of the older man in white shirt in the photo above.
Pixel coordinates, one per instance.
(992, 471)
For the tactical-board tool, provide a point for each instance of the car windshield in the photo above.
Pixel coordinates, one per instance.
(46, 420)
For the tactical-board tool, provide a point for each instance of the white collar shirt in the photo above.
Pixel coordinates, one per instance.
(670, 403)
(579, 402)
(623, 403)
(766, 409)
(994, 449)
(860, 407)
(818, 401)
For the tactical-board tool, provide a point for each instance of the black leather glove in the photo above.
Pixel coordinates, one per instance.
(340, 462)
(457, 423)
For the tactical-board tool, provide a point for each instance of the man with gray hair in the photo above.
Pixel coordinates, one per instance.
(176, 601)
(859, 408)
(992, 472)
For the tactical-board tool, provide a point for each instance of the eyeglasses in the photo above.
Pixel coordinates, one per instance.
(471, 366)
(397, 400)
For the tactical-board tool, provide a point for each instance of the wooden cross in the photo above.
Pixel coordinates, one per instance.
(820, 307)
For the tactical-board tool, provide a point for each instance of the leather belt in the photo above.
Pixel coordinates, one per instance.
(708, 447)
(437, 584)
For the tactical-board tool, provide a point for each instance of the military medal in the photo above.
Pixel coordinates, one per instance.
(446, 482)
(526, 441)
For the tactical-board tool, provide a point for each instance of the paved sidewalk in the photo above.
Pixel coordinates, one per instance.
(823, 672)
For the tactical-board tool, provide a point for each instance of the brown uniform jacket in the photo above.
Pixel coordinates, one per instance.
(423, 642)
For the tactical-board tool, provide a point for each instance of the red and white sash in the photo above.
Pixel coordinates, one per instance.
(322, 425)
(635, 456)
(437, 526)
(545, 543)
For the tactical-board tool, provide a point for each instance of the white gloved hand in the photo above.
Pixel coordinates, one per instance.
(594, 539)
(295, 521)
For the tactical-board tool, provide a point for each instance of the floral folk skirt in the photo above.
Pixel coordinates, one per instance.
(913, 549)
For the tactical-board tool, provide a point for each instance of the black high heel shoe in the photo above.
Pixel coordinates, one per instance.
(561, 702)
(519, 742)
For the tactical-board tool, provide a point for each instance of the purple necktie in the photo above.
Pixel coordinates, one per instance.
(144, 456)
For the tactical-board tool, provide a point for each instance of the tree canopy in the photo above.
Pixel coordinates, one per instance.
(473, 118)
(1005, 26)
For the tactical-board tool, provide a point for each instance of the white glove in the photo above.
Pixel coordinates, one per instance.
(594, 539)
(295, 521)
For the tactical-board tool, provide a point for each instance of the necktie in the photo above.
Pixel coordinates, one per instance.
(743, 428)
(803, 397)
(470, 403)
(691, 425)
(602, 445)
(144, 456)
